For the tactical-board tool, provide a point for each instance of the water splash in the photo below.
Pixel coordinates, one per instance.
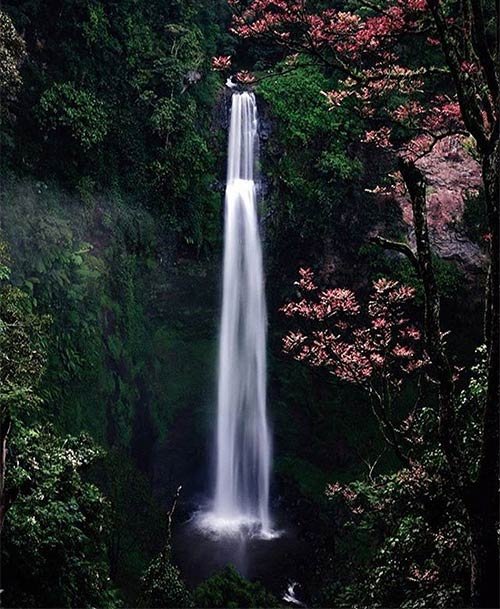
(290, 595)
(241, 499)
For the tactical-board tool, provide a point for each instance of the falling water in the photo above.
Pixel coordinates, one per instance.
(243, 442)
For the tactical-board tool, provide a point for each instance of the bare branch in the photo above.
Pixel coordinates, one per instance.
(468, 103)
(397, 246)
(481, 48)
(170, 514)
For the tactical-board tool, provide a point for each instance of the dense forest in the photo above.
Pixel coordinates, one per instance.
(369, 406)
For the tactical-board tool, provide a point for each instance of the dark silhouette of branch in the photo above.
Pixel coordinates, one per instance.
(397, 246)
(170, 514)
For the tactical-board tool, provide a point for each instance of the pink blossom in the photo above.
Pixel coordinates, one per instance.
(379, 137)
(335, 98)
(245, 78)
(306, 280)
(221, 63)
(469, 67)
(343, 342)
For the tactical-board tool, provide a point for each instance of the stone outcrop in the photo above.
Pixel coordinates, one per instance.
(452, 175)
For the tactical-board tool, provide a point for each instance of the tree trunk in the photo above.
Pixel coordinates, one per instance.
(442, 372)
(483, 504)
(485, 565)
(492, 317)
(480, 497)
(4, 499)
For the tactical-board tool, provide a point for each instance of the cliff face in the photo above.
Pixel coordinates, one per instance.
(452, 175)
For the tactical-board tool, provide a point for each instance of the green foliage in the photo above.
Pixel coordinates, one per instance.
(405, 541)
(470, 404)
(162, 585)
(120, 95)
(405, 545)
(310, 479)
(315, 421)
(449, 276)
(136, 522)
(121, 344)
(165, 117)
(54, 552)
(84, 275)
(474, 217)
(313, 174)
(12, 54)
(22, 347)
(229, 589)
(78, 110)
(314, 171)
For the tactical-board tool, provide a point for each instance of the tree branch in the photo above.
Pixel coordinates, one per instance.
(397, 246)
(471, 112)
(387, 429)
(416, 186)
(170, 514)
(481, 48)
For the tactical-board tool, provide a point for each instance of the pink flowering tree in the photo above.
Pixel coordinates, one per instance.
(418, 71)
(375, 347)
(221, 63)
(403, 111)
(364, 46)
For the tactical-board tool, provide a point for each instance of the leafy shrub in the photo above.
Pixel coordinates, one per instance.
(162, 585)
(78, 110)
(228, 588)
(54, 551)
(12, 54)
(449, 276)
(22, 347)
(405, 540)
(474, 217)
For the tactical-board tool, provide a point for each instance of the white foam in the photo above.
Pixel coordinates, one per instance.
(242, 526)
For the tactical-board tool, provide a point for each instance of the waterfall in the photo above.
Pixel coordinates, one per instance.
(243, 440)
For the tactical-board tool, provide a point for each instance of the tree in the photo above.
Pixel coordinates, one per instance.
(411, 515)
(12, 54)
(162, 585)
(227, 588)
(375, 349)
(22, 360)
(118, 96)
(418, 536)
(78, 111)
(370, 48)
(54, 540)
(56, 521)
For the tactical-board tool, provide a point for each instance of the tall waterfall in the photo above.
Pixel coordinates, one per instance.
(243, 439)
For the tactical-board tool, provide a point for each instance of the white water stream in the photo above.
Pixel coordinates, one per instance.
(241, 498)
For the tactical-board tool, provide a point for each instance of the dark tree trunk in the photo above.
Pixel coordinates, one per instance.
(442, 372)
(483, 504)
(491, 178)
(5, 502)
(483, 522)
(481, 496)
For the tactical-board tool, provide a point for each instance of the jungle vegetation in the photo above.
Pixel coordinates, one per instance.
(113, 143)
